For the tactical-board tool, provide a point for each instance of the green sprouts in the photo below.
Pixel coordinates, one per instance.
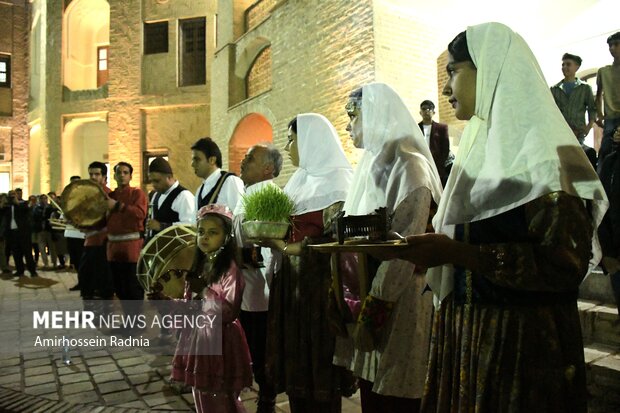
(269, 204)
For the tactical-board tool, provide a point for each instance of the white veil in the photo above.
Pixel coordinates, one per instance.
(396, 159)
(324, 173)
(516, 148)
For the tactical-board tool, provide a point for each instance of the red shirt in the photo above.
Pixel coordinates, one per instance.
(128, 217)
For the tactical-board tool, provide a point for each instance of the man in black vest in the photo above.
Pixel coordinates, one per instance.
(218, 187)
(172, 204)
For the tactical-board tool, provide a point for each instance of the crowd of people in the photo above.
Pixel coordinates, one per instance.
(27, 233)
(477, 308)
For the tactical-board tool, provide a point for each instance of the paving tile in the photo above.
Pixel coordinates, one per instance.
(150, 388)
(40, 379)
(113, 386)
(78, 387)
(99, 360)
(42, 389)
(5, 371)
(136, 404)
(10, 378)
(33, 371)
(141, 378)
(132, 361)
(142, 368)
(74, 378)
(119, 397)
(10, 361)
(103, 368)
(87, 397)
(110, 376)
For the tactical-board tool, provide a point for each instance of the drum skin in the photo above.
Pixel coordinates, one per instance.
(166, 259)
(84, 204)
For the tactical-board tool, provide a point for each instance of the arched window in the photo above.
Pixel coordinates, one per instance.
(258, 79)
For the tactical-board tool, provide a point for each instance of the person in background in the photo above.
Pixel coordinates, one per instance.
(609, 231)
(574, 98)
(43, 230)
(436, 137)
(608, 96)
(4, 262)
(58, 236)
(261, 164)
(218, 186)
(75, 244)
(18, 235)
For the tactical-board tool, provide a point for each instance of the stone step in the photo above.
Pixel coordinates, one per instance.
(600, 323)
(597, 287)
(603, 375)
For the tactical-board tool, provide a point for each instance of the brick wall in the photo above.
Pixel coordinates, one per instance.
(305, 77)
(258, 12)
(14, 23)
(259, 76)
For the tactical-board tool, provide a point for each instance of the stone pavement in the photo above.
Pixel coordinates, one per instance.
(97, 380)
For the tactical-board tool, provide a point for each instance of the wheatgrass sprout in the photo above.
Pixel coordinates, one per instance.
(269, 204)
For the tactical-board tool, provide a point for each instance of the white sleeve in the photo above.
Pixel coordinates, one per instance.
(231, 192)
(185, 205)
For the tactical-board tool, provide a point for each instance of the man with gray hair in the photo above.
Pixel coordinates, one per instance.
(262, 163)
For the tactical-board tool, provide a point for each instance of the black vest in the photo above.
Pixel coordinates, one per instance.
(165, 214)
(217, 187)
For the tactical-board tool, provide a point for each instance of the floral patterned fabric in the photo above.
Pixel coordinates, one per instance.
(517, 347)
(299, 344)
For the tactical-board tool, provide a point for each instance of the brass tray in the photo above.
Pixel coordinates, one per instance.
(364, 246)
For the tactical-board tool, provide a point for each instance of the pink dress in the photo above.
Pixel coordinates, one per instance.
(231, 371)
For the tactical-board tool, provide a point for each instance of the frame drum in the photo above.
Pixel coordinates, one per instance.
(166, 259)
(84, 204)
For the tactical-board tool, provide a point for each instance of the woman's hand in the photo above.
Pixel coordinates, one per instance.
(425, 251)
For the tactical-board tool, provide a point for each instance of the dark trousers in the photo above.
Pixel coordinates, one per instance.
(606, 148)
(374, 402)
(127, 287)
(22, 246)
(76, 249)
(254, 324)
(126, 283)
(301, 405)
(94, 273)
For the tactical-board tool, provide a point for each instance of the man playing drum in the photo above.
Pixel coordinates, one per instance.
(93, 272)
(127, 208)
(172, 203)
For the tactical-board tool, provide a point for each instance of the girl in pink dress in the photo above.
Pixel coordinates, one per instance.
(217, 378)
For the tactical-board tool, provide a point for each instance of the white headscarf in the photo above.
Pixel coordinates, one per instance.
(516, 148)
(324, 174)
(396, 159)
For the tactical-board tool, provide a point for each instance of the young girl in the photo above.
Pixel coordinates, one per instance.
(215, 279)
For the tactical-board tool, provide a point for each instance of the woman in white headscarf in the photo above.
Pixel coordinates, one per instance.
(396, 172)
(515, 231)
(299, 346)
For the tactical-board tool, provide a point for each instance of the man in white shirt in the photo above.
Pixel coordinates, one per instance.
(218, 187)
(172, 204)
(261, 164)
